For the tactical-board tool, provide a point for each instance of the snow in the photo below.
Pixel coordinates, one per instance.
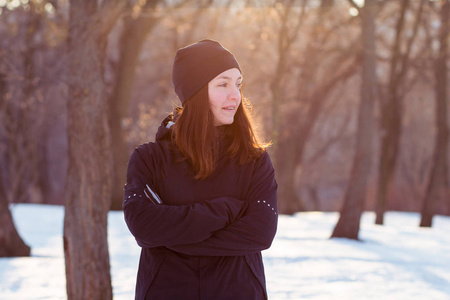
(396, 261)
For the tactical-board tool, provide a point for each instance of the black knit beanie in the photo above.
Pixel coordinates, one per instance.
(197, 64)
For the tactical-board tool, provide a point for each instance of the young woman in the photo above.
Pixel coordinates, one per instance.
(201, 200)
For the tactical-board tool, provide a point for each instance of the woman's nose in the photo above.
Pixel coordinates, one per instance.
(235, 93)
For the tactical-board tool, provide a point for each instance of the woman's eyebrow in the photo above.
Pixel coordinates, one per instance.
(229, 78)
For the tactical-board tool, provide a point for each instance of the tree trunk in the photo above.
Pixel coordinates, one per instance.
(391, 116)
(291, 202)
(277, 85)
(88, 184)
(438, 179)
(391, 127)
(392, 110)
(348, 224)
(284, 143)
(132, 38)
(29, 122)
(11, 244)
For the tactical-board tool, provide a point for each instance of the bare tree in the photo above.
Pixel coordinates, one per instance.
(11, 244)
(88, 185)
(391, 108)
(20, 117)
(287, 35)
(135, 31)
(348, 224)
(290, 145)
(437, 187)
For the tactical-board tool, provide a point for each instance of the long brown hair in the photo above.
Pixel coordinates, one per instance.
(198, 139)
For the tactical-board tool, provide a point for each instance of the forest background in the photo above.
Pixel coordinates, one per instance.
(301, 61)
(353, 96)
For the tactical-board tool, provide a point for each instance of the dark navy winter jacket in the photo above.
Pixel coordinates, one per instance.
(205, 240)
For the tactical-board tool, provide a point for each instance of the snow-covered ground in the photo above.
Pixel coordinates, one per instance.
(395, 261)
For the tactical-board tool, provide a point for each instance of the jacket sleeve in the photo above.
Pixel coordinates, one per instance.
(254, 230)
(156, 225)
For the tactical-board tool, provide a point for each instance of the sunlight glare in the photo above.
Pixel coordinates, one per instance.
(49, 8)
(353, 11)
(13, 4)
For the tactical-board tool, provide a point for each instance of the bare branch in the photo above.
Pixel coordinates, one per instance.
(108, 14)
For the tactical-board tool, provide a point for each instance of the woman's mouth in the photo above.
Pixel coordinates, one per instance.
(229, 108)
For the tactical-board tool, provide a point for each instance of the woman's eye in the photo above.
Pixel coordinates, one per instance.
(223, 85)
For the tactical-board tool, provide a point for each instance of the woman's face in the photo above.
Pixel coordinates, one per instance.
(224, 93)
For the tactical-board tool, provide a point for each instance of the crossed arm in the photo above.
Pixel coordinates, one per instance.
(219, 227)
